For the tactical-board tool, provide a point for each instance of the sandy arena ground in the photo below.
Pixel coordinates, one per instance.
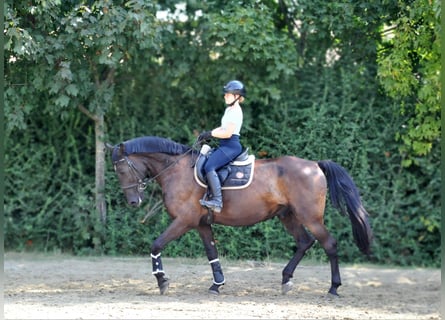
(55, 286)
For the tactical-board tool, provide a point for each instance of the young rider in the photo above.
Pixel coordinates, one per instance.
(229, 141)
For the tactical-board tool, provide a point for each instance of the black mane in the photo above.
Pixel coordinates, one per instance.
(152, 145)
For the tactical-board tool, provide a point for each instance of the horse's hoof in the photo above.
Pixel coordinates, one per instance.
(214, 292)
(214, 289)
(286, 287)
(332, 296)
(163, 288)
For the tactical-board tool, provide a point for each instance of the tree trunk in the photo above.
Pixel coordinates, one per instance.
(101, 207)
(99, 129)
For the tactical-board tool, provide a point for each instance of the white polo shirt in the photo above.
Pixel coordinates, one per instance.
(234, 115)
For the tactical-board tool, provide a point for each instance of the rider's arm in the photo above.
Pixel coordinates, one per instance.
(224, 132)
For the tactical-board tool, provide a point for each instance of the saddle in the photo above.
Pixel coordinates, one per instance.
(238, 174)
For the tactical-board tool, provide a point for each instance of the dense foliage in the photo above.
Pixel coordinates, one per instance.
(318, 77)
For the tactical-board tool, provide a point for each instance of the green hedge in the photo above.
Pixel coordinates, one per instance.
(49, 181)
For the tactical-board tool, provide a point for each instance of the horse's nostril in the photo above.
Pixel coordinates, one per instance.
(135, 202)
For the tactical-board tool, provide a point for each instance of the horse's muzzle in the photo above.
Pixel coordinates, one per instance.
(135, 203)
(134, 200)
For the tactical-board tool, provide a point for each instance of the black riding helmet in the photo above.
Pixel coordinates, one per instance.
(235, 87)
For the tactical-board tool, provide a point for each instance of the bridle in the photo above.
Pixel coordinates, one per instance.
(141, 184)
(142, 180)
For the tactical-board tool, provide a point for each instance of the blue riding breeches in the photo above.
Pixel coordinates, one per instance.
(227, 151)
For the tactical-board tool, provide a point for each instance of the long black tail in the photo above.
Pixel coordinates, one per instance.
(345, 197)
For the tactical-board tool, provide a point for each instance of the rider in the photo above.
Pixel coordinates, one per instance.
(229, 141)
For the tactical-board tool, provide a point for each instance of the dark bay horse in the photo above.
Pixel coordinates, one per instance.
(290, 188)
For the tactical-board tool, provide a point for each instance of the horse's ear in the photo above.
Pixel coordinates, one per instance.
(121, 149)
(109, 146)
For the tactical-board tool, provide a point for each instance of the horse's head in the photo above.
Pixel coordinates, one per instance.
(131, 174)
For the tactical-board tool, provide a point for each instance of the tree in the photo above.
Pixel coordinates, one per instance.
(66, 56)
(310, 70)
(409, 70)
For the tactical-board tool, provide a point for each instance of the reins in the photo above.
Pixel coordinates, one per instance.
(171, 164)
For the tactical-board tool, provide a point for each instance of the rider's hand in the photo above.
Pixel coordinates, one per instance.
(205, 136)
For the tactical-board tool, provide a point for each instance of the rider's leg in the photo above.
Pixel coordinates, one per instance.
(215, 203)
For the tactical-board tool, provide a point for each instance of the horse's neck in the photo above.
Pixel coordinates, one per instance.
(160, 163)
(155, 162)
(168, 168)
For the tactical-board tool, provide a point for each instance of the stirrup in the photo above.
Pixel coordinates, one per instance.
(208, 204)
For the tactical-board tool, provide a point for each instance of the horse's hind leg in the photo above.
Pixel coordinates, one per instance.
(329, 245)
(206, 234)
(304, 241)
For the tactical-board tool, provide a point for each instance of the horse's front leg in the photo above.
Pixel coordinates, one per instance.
(206, 234)
(158, 272)
(174, 231)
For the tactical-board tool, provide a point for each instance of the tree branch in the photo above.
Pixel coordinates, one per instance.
(87, 112)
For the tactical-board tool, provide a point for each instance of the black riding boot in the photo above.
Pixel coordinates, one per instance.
(215, 203)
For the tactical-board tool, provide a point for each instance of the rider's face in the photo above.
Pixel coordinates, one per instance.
(229, 97)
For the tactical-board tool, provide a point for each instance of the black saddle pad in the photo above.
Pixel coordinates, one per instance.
(236, 175)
